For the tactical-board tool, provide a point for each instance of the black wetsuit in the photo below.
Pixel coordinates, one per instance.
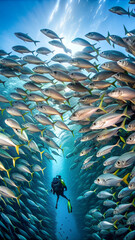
(58, 188)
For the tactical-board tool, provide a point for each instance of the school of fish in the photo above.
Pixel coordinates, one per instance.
(95, 105)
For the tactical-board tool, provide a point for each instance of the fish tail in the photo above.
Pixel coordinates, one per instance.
(23, 118)
(114, 224)
(43, 170)
(133, 202)
(61, 115)
(113, 83)
(9, 53)
(117, 144)
(2, 110)
(22, 129)
(41, 221)
(125, 179)
(18, 198)
(17, 148)
(31, 111)
(114, 195)
(96, 57)
(72, 131)
(29, 182)
(32, 174)
(116, 172)
(29, 141)
(108, 39)
(24, 115)
(100, 105)
(68, 101)
(14, 160)
(42, 132)
(61, 38)
(97, 50)
(123, 124)
(41, 154)
(129, 13)
(126, 31)
(19, 188)
(35, 42)
(125, 215)
(10, 102)
(125, 113)
(8, 172)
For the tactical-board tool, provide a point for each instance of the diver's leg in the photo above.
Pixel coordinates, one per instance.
(57, 201)
(65, 197)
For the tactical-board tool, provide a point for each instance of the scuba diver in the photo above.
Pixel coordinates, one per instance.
(58, 187)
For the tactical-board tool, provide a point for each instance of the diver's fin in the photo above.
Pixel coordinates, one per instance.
(69, 207)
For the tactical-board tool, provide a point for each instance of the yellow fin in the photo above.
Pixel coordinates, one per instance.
(18, 199)
(123, 124)
(114, 224)
(32, 174)
(43, 170)
(17, 148)
(29, 182)
(41, 154)
(117, 144)
(125, 179)
(122, 139)
(114, 195)
(29, 141)
(100, 105)
(14, 160)
(42, 132)
(8, 172)
(116, 172)
(19, 188)
(125, 113)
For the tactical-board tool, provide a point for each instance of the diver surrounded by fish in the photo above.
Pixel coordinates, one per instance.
(58, 187)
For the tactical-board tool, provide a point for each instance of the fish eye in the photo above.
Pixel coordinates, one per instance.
(55, 72)
(94, 124)
(118, 162)
(130, 138)
(98, 180)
